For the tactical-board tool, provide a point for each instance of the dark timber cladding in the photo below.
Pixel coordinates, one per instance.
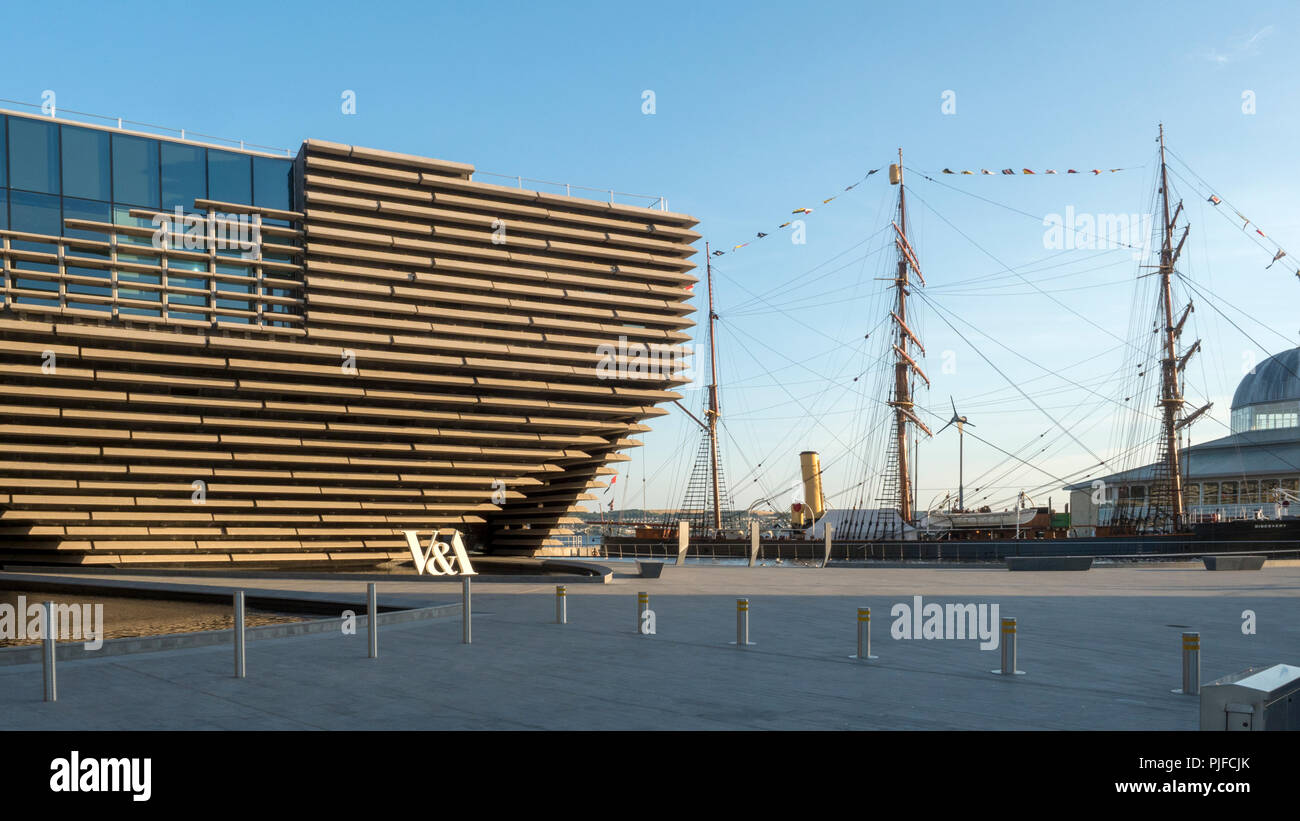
(418, 351)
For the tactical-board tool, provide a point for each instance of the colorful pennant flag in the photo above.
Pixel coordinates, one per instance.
(803, 211)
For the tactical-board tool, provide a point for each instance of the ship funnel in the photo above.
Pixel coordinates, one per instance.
(811, 466)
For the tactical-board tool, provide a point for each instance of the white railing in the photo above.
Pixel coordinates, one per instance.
(57, 113)
(655, 201)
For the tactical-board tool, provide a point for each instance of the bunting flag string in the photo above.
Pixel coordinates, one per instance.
(1278, 251)
(797, 211)
(1011, 172)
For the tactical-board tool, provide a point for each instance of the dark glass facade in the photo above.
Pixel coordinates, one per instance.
(70, 171)
(52, 172)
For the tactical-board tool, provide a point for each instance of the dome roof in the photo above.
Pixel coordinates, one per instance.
(1276, 379)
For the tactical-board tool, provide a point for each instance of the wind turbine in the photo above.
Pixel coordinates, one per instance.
(961, 422)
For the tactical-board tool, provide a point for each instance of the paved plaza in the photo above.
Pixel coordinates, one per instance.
(1101, 650)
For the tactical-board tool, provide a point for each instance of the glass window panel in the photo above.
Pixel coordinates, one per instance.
(133, 276)
(4, 179)
(230, 177)
(135, 171)
(139, 311)
(90, 306)
(33, 155)
(93, 290)
(79, 270)
(1228, 493)
(28, 300)
(122, 216)
(271, 182)
(187, 299)
(37, 284)
(184, 176)
(87, 210)
(183, 315)
(36, 214)
(86, 164)
(4, 209)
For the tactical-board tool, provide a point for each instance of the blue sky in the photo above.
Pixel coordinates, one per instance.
(762, 108)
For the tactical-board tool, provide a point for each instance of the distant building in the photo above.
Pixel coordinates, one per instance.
(1229, 477)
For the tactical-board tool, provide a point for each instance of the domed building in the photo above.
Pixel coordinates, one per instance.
(1268, 397)
(1232, 477)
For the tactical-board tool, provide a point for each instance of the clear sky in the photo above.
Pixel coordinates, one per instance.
(761, 108)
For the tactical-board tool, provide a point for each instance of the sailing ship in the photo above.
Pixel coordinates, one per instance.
(884, 511)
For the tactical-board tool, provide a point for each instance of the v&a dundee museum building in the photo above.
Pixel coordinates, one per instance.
(389, 345)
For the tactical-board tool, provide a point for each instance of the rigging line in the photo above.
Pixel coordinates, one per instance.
(1207, 185)
(1016, 353)
(799, 277)
(1027, 269)
(804, 301)
(781, 311)
(986, 280)
(999, 294)
(787, 392)
(1026, 281)
(998, 449)
(1240, 330)
(1036, 217)
(932, 304)
(995, 391)
(1252, 237)
(1037, 488)
(732, 385)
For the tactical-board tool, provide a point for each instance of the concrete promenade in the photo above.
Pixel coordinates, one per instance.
(1100, 648)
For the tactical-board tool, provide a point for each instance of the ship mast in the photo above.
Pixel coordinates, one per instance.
(904, 340)
(1169, 468)
(714, 412)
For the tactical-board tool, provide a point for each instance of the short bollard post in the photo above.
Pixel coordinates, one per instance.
(864, 635)
(465, 609)
(240, 667)
(561, 607)
(742, 623)
(642, 605)
(372, 619)
(1008, 649)
(48, 639)
(1191, 665)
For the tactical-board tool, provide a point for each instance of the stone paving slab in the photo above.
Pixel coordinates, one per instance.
(1101, 650)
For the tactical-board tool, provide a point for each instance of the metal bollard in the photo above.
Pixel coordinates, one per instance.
(742, 623)
(642, 605)
(48, 639)
(1008, 649)
(561, 604)
(466, 610)
(372, 620)
(1191, 665)
(240, 666)
(864, 635)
